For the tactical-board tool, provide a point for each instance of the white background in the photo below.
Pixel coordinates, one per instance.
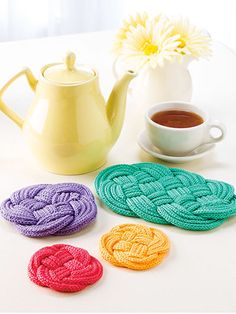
(199, 275)
(21, 19)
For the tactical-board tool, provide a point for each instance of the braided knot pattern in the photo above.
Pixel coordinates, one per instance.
(134, 246)
(50, 209)
(64, 268)
(166, 195)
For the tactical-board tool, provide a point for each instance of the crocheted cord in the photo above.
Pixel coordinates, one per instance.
(166, 195)
(64, 268)
(134, 246)
(50, 209)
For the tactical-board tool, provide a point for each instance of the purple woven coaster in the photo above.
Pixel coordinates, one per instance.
(50, 209)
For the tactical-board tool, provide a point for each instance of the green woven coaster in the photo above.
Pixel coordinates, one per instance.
(166, 195)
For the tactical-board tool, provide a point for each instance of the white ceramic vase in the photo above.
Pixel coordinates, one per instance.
(169, 82)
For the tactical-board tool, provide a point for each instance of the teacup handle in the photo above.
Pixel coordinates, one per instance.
(215, 139)
(210, 138)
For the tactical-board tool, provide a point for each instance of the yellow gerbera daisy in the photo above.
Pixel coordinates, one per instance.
(192, 40)
(134, 21)
(151, 43)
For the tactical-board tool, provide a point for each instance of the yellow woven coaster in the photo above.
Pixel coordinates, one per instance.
(134, 246)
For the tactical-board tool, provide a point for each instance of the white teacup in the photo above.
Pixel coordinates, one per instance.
(181, 141)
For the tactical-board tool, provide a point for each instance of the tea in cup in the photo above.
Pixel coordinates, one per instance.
(177, 128)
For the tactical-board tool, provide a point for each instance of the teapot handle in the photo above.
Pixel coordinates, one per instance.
(3, 107)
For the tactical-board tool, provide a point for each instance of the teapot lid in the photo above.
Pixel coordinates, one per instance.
(67, 73)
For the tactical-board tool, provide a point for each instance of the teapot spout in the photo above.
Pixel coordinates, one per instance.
(116, 104)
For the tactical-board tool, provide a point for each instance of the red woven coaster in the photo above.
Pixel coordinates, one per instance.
(64, 268)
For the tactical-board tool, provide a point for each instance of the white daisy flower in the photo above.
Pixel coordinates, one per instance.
(152, 43)
(133, 21)
(192, 40)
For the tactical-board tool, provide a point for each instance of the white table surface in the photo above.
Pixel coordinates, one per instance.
(200, 272)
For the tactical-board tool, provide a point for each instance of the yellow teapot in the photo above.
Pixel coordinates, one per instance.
(68, 127)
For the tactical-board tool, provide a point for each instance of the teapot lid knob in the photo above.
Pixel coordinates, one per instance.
(68, 73)
(70, 60)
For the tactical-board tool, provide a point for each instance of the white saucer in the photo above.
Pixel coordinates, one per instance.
(148, 147)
